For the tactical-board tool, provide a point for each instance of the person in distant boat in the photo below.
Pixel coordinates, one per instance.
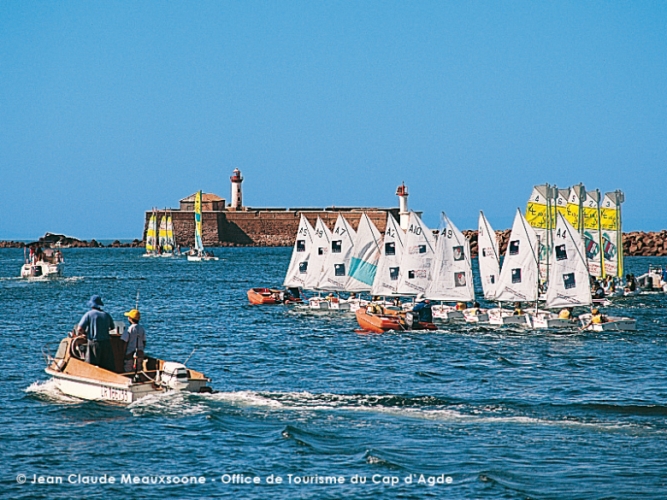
(423, 309)
(565, 313)
(135, 343)
(59, 257)
(375, 308)
(630, 283)
(518, 310)
(397, 302)
(291, 295)
(461, 306)
(475, 309)
(95, 325)
(332, 298)
(596, 318)
(598, 291)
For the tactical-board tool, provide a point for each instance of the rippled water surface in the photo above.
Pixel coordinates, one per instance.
(487, 413)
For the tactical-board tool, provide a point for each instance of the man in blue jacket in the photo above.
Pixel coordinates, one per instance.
(423, 309)
(95, 325)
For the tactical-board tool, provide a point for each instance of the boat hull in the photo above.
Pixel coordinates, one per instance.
(447, 313)
(263, 296)
(500, 317)
(42, 270)
(551, 321)
(613, 324)
(377, 323)
(322, 304)
(74, 377)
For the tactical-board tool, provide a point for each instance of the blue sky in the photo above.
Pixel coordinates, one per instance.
(110, 108)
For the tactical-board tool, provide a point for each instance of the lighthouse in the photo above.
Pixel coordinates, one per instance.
(237, 199)
(402, 193)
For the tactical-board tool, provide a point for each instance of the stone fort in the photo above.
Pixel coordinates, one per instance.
(234, 224)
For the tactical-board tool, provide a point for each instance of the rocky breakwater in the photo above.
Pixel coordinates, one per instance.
(635, 244)
(51, 240)
(638, 243)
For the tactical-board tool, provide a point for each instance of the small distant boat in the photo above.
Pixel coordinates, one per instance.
(151, 237)
(74, 377)
(655, 280)
(166, 233)
(612, 323)
(198, 253)
(518, 281)
(380, 323)
(47, 264)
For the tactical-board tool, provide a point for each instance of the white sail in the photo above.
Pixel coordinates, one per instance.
(388, 270)
(365, 257)
(519, 274)
(417, 263)
(592, 233)
(452, 270)
(612, 233)
(337, 263)
(488, 257)
(320, 250)
(569, 283)
(298, 269)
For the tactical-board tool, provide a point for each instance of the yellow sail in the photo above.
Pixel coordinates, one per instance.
(592, 234)
(162, 233)
(151, 234)
(612, 233)
(574, 208)
(199, 245)
(169, 242)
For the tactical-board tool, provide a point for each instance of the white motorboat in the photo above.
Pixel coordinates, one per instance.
(655, 280)
(49, 264)
(74, 377)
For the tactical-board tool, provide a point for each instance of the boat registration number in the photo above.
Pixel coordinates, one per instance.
(113, 394)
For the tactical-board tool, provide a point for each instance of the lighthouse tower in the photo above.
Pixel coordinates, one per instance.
(237, 199)
(402, 193)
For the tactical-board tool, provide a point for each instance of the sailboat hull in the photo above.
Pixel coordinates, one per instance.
(447, 313)
(322, 304)
(500, 317)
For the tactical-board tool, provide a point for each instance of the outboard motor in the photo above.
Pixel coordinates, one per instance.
(410, 319)
(174, 376)
(35, 271)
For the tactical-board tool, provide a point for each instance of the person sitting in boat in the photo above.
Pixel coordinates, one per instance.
(423, 309)
(565, 313)
(292, 295)
(598, 291)
(135, 343)
(518, 310)
(375, 308)
(332, 298)
(461, 306)
(475, 309)
(630, 283)
(95, 325)
(596, 318)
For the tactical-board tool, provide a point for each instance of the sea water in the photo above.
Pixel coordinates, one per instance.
(307, 408)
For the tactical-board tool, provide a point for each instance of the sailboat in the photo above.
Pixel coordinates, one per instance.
(335, 270)
(416, 267)
(151, 237)
(166, 234)
(519, 275)
(489, 267)
(452, 276)
(569, 283)
(198, 253)
(389, 264)
(364, 261)
(320, 249)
